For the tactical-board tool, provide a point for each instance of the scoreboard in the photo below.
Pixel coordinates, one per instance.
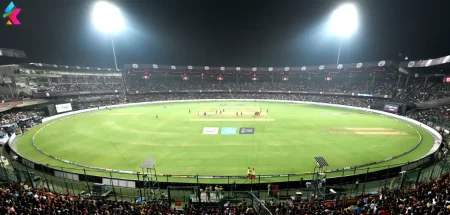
(391, 108)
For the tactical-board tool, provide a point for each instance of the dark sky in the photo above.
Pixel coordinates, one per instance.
(227, 33)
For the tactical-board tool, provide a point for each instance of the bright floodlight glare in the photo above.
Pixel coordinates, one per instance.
(107, 17)
(344, 20)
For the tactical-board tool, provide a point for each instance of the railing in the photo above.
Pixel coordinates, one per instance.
(259, 206)
(371, 179)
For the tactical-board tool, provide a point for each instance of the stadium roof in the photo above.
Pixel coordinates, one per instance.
(65, 67)
(442, 62)
(12, 53)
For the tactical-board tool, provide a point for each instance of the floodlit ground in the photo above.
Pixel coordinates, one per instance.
(285, 139)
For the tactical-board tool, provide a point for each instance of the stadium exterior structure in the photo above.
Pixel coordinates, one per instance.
(392, 171)
(397, 70)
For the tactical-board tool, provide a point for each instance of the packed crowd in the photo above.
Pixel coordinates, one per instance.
(18, 199)
(417, 93)
(89, 83)
(412, 92)
(83, 87)
(18, 121)
(83, 83)
(430, 198)
(353, 101)
(421, 92)
(93, 103)
(439, 116)
(383, 88)
(15, 117)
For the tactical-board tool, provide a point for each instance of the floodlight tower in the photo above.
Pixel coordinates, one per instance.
(343, 23)
(107, 18)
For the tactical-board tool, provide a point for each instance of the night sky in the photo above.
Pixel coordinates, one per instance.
(227, 33)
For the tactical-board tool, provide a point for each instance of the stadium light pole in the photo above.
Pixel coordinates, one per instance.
(107, 18)
(343, 23)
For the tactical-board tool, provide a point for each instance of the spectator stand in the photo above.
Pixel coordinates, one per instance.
(415, 173)
(11, 128)
(26, 122)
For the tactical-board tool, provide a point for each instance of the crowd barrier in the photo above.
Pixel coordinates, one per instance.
(438, 138)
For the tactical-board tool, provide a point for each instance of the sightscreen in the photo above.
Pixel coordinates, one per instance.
(61, 108)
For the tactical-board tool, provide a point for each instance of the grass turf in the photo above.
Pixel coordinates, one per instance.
(285, 141)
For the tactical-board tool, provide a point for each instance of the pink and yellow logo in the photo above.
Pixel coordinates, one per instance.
(11, 13)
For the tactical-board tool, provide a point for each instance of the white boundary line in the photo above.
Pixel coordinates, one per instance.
(438, 137)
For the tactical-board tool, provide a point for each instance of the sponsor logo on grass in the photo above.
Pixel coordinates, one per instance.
(246, 130)
(228, 131)
(210, 130)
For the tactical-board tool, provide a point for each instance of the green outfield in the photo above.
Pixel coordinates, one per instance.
(285, 139)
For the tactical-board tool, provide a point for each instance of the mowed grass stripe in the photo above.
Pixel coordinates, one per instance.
(233, 120)
(379, 133)
(369, 129)
(366, 131)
